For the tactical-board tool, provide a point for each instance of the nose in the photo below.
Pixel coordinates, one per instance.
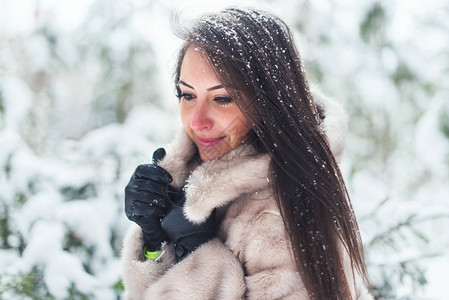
(201, 119)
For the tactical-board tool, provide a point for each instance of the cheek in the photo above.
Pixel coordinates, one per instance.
(185, 116)
(185, 120)
(236, 125)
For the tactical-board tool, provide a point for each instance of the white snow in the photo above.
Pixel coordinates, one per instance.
(17, 100)
(430, 143)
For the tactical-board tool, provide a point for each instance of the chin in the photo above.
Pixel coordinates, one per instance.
(211, 153)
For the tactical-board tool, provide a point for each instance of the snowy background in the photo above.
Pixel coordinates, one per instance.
(86, 95)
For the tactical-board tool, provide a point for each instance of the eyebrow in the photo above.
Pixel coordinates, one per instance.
(220, 86)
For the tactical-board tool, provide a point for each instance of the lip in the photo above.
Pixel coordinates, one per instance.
(209, 142)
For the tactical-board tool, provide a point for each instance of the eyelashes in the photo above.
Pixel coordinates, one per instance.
(185, 96)
(221, 101)
(179, 93)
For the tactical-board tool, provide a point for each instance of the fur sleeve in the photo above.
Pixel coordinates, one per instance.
(139, 274)
(271, 272)
(210, 272)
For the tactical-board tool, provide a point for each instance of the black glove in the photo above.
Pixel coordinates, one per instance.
(147, 201)
(185, 235)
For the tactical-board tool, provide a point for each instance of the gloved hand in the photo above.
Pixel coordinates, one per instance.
(147, 200)
(185, 235)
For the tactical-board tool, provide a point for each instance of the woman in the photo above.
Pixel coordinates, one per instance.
(248, 201)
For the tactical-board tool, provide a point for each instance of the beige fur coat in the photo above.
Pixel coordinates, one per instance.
(251, 257)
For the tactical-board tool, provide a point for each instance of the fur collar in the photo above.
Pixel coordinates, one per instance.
(216, 183)
(335, 124)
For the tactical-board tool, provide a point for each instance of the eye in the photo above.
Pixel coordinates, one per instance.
(223, 100)
(184, 96)
(187, 97)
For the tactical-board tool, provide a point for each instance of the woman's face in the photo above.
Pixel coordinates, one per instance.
(210, 116)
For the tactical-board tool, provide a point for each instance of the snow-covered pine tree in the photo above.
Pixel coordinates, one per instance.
(78, 111)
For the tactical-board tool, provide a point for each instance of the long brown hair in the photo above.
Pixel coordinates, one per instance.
(253, 52)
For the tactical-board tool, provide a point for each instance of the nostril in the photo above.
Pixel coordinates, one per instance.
(200, 122)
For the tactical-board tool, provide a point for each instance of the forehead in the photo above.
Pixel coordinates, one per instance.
(194, 62)
(197, 70)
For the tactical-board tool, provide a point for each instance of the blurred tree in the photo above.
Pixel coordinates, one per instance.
(68, 149)
(378, 72)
